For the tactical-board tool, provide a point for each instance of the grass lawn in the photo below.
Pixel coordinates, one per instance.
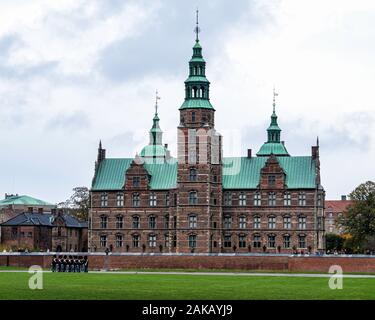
(141, 286)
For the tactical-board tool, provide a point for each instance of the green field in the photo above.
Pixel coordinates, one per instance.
(153, 286)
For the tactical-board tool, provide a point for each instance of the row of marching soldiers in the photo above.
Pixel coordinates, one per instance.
(69, 264)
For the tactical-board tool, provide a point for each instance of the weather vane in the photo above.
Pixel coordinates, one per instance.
(197, 29)
(156, 101)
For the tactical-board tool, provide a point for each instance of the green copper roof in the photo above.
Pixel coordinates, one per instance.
(155, 150)
(197, 59)
(24, 200)
(277, 148)
(111, 174)
(244, 173)
(238, 173)
(197, 103)
(197, 79)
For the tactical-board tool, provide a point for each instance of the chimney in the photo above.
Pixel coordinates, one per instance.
(343, 198)
(249, 153)
(166, 146)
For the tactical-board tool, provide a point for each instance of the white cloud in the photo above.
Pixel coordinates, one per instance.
(72, 33)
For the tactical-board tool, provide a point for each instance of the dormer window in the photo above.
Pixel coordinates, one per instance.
(271, 180)
(136, 181)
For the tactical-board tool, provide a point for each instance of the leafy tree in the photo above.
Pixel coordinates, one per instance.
(334, 241)
(359, 218)
(79, 203)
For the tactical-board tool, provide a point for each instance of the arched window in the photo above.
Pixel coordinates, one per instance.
(195, 70)
(193, 116)
(193, 197)
(202, 92)
(193, 174)
(200, 70)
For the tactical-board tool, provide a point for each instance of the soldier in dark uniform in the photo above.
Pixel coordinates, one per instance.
(59, 264)
(81, 264)
(70, 264)
(64, 263)
(76, 264)
(54, 263)
(86, 264)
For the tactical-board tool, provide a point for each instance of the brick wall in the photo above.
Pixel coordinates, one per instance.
(242, 262)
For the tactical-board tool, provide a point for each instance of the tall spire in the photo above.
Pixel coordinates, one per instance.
(274, 130)
(197, 86)
(197, 29)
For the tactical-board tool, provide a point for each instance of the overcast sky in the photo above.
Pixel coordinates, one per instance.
(76, 71)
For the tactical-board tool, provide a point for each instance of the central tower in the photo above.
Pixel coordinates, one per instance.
(199, 175)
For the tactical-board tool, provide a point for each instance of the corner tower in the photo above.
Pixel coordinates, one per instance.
(199, 173)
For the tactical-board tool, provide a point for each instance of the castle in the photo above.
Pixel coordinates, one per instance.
(202, 202)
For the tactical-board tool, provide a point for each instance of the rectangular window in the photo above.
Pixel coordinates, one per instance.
(136, 222)
(103, 241)
(272, 222)
(119, 222)
(192, 221)
(301, 241)
(136, 182)
(257, 199)
(271, 241)
(301, 223)
(192, 241)
(272, 199)
(242, 221)
(193, 197)
(257, 241)
(227, 198)
(152, 222)
(227, 222)
(242, 241)
(104, 200)
(302, 199)
(287, 199)
(256, 223)
(286, 241)
(166, 240)
(287, 222)
(103, 222)
(135, 241)
(167, 200)
(120, 200)
(153, 201)
(152, 240)
(136, 200)
(271, 181)
(227, 241)
(242, 199)
(118, 241)
(166, 221)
